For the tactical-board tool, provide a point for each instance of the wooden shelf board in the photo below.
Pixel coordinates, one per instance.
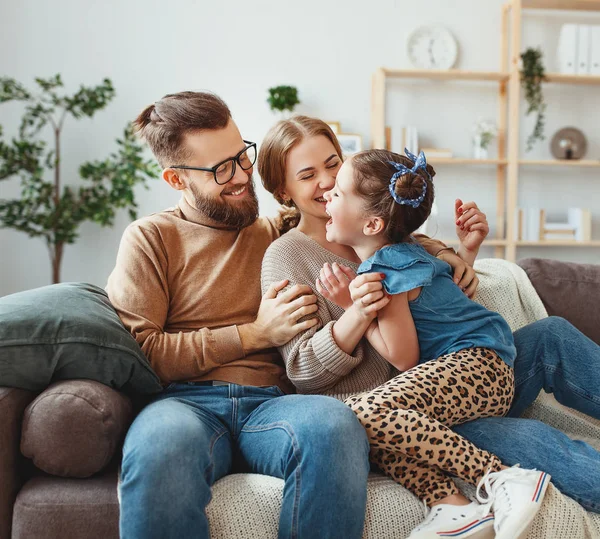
(446, 74)
(486, 243)
(558, 243)
(560, 163)
(566, 78)
(460, 161)
(585, 5)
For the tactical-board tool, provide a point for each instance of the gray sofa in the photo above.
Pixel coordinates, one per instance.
(60, 450)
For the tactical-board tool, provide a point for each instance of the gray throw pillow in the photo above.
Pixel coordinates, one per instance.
(68, 331)
(568, 289)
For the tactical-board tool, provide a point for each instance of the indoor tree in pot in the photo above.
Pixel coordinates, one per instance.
(46, 209)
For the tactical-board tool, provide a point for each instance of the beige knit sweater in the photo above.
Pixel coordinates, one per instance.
(314, 362)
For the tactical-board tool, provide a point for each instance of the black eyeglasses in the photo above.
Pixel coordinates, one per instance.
(225, 170)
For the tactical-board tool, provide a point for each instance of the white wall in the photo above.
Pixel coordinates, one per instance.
(238, 49)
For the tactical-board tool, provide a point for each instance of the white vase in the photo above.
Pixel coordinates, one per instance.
(479, 152)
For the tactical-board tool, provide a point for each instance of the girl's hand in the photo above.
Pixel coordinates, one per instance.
(464, 275)
(333, 284)
(368, 295)
(471, 226)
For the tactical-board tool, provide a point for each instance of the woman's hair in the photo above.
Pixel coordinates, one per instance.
(372, 178)
(272, 158)
(164, 124)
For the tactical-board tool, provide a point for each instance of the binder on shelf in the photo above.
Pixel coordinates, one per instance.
(595, 50)
(583, 49)
(410, 141)
(519, 225)
(567, 48)
(581, 220)
(388, 138)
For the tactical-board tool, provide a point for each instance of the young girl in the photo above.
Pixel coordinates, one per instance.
(455, 356)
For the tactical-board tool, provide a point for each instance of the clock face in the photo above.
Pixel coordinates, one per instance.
(432, 47)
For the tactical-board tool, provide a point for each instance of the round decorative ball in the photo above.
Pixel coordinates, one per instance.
(568, 143)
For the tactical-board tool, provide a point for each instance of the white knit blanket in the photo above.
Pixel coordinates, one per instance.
(246, 506)
(505, 288)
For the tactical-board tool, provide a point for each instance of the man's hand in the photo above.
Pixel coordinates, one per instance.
(368, 295)
(464, 275)
(333, 284)
(278, 318)
(471, 228)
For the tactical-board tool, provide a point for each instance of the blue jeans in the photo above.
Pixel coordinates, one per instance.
(192, 434)
(554, 356)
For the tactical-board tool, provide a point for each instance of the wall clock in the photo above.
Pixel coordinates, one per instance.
(432, 47)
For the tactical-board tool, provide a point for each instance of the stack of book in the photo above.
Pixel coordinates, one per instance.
(531, 225)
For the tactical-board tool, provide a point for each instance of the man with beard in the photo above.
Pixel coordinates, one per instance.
(187, 285)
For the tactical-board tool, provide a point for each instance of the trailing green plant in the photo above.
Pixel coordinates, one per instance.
(46, 209)
(283, 98)
(532, 76)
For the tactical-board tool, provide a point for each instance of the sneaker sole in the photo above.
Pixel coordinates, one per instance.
(538, 497)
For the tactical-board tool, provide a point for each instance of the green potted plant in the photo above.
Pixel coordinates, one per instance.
(532, 75)
(47, 209)
(283, 99)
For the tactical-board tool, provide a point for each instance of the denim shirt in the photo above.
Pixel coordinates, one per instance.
(446, 320)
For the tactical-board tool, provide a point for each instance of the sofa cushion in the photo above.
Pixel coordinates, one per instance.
(58, 508)
(68, 331)
(12, 405)
(568, 289)
(73, 428)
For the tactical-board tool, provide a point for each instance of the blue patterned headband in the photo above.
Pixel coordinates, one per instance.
(420, 164)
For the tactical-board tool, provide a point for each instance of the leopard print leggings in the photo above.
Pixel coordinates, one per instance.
(407, 420)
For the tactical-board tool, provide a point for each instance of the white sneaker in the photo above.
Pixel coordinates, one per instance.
(516, 496)
(473, 521)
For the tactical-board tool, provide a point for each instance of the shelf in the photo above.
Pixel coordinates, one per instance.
(579, 5)
(486, 243)
(567, 78)
(446, 74)
(560, 163)
(558, 243)
(460, 161)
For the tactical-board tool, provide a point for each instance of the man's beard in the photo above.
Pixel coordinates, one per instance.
(237, 215)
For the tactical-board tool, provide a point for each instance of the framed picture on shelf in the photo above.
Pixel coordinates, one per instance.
(350, 143)
(335, 127)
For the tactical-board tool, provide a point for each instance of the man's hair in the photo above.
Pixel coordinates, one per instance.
(164, 124)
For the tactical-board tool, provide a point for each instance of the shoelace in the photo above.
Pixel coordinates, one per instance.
(430, 514)
(497, 493)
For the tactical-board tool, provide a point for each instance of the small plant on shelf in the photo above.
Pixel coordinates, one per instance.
(283, 98)
(533, 74)
(484, 132)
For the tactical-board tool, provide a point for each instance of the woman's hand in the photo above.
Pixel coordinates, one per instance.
(368, 295)
(464, 274)
(333, 284)
(471, 228)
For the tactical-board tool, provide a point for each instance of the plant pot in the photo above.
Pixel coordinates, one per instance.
(479, 152)
(283, 114)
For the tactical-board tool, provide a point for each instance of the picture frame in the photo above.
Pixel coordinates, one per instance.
(335, 127)
(350, 143)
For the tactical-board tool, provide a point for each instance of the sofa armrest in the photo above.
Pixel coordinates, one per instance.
(12, 405)
(569, 290)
